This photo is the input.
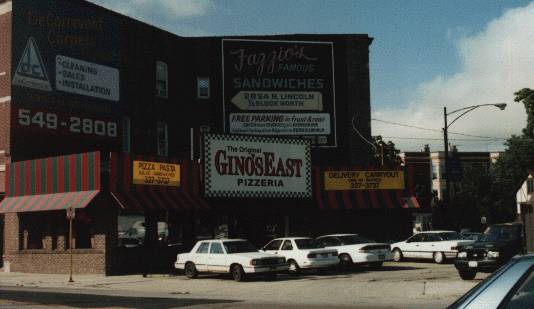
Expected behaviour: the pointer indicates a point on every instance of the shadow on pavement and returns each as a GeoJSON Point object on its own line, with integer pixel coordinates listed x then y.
{"type": "Point", "coordinates": [102, 301]}
{"type": "Point", "coordinates": [313, 274]}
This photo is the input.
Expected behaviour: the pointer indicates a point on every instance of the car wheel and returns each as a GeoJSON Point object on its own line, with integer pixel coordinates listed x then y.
{"type": "Point", "coordinates": [376, 265]}
{"type": "Point", "coordinates": [190, 270]}
{"type": "Point", "coordinates": [439, 257]}
{"type": "Point", "coordinates": [345, 261]}
{"type": "Point", "coordinates": [237, 272]}
{"type": "Point", "coordinates": [467, 275]}
{"type": "Point", "coordinates": [294, 268]}
{"type": "Point", "coordinates": [397, 255]}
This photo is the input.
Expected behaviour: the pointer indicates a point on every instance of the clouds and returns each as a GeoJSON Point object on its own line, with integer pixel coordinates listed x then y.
{"type": "Point", "coordinates": [168, 14]}
{"type": "Point", "coordinates": [495, 63]}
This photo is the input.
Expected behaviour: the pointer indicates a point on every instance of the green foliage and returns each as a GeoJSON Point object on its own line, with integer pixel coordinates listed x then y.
{"type": "Point", "coordinates": [386, 155]}
{"type": "Point", "coordinates": [526, 96]}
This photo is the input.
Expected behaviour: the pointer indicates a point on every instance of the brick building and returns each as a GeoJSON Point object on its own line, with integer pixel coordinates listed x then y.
{"type": "Point", "coordinates": [77, 79]}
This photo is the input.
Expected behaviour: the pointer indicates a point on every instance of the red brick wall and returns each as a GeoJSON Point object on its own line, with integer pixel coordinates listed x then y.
{"type": "Point", "coordinates": [57, 261]}
{"type": "Point", "coordinates": [5, 85]}
{"type": "Point", "coordinates": [5, 50]}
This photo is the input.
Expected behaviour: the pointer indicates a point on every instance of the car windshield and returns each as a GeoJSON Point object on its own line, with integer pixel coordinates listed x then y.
{"type": "Point", "coordinates": [308, 244]}
{"type": "Point", "coordinates": [239, 247]}
{"type": "Point", "coordinates": [500, 233]}
{"type": "Point", "coordinates": [353, 240]}
{"type": "Point", "coordinates": [450, 236]}
{"type": "Point", "coordinates": [471, 236]}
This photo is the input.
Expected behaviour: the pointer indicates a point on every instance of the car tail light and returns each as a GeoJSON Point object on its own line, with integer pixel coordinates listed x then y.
{"type": "Point", "coordinates": [312, 255]}
{"type": "Point", "coordinates": [454, 248]}
{"type": "Point", "coordinates": [334, 253]}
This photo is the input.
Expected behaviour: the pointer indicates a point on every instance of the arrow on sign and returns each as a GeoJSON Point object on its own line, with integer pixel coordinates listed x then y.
{"type": "Point", "coordinates": [278, 100]}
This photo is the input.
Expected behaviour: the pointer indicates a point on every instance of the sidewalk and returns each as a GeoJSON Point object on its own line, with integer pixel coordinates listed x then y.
{"type": "Point", "coordinates": [124, 282]}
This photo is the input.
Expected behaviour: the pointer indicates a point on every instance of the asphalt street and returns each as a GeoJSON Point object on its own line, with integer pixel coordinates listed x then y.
{"type": "Point", "coordinates": [397, 285]}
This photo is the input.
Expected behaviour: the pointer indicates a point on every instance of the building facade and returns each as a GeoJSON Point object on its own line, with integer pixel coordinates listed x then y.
{"type": "Point", "coordinates": [90, 94]}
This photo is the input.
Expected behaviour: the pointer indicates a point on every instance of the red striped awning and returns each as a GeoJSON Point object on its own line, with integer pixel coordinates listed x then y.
{"type": "Point", "coordinates": [52, 183]}
{"type": "Point", "coordinates": [42, 202]}
{"type": "Point", "coordinates": [139, 197]}
{"type": "Point", "coordinates": [411, 202]}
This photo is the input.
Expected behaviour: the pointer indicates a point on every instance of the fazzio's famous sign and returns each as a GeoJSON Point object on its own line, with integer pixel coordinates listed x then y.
{"type": "Point", "coordinates": [252, 166]}
{"type": "Point", "coordinates": [279, 88]}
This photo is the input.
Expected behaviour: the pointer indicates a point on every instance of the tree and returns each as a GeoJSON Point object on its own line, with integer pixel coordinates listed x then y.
{"type": "Point", "coordinates": [385, 155]}
{"type": "Point", "coordinates": [526, 96]}
{"type": "Point", "coordinates": [512, 167]}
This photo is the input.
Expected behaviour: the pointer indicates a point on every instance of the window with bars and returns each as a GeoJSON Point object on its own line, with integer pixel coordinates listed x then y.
{"type": "Point", "coordinates": [203, 87]}
{"type": "Point", "coordinates": [162, 139]}
{"type": "Point", "coordinates": [126, 134]}
{"type": "Point", "coordinates": [530, 185]}
{"type": "Point", "coordinates": [161, 79]}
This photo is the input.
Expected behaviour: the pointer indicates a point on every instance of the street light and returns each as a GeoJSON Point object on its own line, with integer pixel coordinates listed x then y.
{"type": "Point", "coordinates": [465, 110]}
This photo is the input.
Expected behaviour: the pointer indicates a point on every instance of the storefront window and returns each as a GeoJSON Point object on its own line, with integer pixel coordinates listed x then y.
{"type": "Point", "coordinates": [33, 231]}
{"type": "Point", "coordinates": [132, 231]}
{"type": "Point", "coordinates": [83, 230]}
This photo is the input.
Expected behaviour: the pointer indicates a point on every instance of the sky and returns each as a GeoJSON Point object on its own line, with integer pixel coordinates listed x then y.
{"type": "Point", "coordinates": [426, 55]}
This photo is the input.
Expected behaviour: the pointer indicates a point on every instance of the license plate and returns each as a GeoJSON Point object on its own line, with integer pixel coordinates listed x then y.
{"type": "Point", "coordinates": [324, 254]}
{"type": "Point", "coordinates": [472, 263]}
{"type": "Point", "coordinates": [381, 256]}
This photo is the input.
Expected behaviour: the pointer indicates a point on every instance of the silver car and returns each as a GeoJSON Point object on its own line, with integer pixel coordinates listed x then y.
{"type": "Point", "coordinates": [512, 286]}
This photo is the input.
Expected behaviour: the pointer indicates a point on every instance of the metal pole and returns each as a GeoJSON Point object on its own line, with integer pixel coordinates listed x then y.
{"type": "Point", "coordinates": [446, 198]}
{"type": "Point", "coordinates": [70, 248]}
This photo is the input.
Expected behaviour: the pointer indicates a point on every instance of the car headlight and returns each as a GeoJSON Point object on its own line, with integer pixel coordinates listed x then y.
{"type": "Point", "coordinates": [255, 262]}
{"type": "Point", "coordinates": [462, 255]}
{"type": "Point", "coordinates": [493, 254]}
{"type": "Point", "coordinates": [281, 260]}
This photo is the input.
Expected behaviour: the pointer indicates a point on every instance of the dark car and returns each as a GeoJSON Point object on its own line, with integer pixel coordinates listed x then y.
{"type": "Point", "coordinates": [498, 244]}
{"type": "Point", "coordinates": [512, 286]}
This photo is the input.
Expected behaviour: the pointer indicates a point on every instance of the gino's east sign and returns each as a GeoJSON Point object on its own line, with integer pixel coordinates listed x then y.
{"type": "Point", "coordinates": [279, 88]}
{"type": "Point", "coordinates": [249, 166]}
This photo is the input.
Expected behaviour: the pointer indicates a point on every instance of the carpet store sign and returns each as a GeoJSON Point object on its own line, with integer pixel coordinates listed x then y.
{"type": "Point", "coordinates": [247, 166]}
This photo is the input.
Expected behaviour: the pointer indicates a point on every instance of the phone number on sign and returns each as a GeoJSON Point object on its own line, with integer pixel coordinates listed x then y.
{"type": "Point", "coordinates": [157, 180]}
{"type": "Point", "coordinates": [73, 124]}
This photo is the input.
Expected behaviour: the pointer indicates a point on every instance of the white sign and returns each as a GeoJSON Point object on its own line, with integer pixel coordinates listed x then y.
{"type": "Point", "coordinates": [280, 123]}
{"type": "Point", "coordinates": [253, 166]}
{"type": "Point", "coordinates": [31, 71]}
{"type": "Point", "coordinates": [86, 78]}
{"type": "Point", "coordinates": [278, 100]}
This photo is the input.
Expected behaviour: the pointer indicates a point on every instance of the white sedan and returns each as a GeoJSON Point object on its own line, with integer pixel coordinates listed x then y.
{"type": "Point", "coordinates": [436, 245]}
{"type": "Point", "coordinates": [235, 256]}
{"type": "Point", "coordinates": [302, 252]}
{"type": "Point", "coordinates": [355, 249]}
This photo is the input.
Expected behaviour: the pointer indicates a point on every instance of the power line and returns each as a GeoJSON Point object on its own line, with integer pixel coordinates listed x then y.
{"type": "Point", "coordinates": [405, 125]}
{"type": "Point", "coordinates": [435, 130]}
{"type": "Point", "coordinates": [441, 139]}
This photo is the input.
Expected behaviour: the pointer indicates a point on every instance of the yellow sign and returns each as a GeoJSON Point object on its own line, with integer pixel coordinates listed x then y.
{"type": "Point", "coordinates": [156, 173]}
{"type": "Point", "coordinates": [363, 180]}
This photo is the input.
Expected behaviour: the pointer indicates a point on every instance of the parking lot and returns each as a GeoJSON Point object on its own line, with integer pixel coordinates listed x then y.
{"type": "Point", "coordinates": [396, 285]}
